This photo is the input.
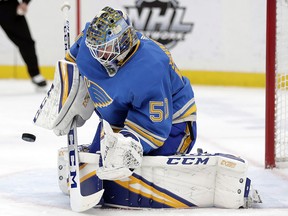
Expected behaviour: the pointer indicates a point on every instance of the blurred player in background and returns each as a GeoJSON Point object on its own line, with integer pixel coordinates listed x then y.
{"type": "Point", "coordinates": [135, 84]}
{"type": "Point", "coordinates": [13, 22]}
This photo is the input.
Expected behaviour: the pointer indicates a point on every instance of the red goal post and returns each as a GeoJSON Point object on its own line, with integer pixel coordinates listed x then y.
{"type": "Point", "coordinates": [276, 150]}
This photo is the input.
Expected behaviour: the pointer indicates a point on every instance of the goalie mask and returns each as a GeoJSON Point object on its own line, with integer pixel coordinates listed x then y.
{"type": "Point", "coordinates": [110, 37]}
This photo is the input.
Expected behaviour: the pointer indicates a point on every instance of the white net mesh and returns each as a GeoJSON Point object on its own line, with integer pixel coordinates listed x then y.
{"type": "Point", "coordinates": [281, 95]}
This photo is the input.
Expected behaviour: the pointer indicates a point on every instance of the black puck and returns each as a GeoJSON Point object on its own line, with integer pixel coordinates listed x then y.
{"type": "Point", "coordinates": [28, 137]}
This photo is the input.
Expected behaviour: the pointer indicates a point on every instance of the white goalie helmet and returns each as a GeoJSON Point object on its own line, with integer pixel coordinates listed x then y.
{"type": "Point", "coordinates": [110, 37]}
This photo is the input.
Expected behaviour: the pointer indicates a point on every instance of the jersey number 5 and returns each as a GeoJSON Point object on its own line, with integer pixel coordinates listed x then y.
{"type": "Point", "coordinates": [159, 110]}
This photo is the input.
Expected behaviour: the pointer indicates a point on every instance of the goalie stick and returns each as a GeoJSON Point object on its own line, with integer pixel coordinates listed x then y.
{"type": "Point", "coordinates": [78, 202]}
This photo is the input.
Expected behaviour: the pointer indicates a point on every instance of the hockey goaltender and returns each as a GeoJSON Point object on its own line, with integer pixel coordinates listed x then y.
{"type": "Point", "coordinates": [140, 156]}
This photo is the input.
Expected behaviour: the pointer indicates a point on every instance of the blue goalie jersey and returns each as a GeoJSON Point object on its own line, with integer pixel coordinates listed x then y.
{"type": "Point", "coordinates": [148, 96]}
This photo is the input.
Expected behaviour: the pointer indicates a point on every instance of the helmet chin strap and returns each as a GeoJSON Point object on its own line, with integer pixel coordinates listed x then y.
{"type": "Point", "coordinates": [111, 69]}
{"type": "Point", "coordinates": [122, 56]}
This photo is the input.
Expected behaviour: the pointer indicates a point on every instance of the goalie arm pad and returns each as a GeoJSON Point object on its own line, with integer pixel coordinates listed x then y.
{"type": "Point", "coordinates": [67, 99]}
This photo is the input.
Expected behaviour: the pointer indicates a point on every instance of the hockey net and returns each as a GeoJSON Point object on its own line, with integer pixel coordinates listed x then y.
{"type": "Point", "coordinates": [276, 154]}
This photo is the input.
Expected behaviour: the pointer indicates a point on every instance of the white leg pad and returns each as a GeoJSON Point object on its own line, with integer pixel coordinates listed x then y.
{"type": "Point", "coordinates": [202, 180]}
{"type": "Point", "coordinates": [207, 180]}
{"type": "Point", "coordinates": [230, 183]}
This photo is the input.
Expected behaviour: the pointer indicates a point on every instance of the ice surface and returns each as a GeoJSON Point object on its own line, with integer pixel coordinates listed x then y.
{"type": "Point", "coordinates": [230, 120]}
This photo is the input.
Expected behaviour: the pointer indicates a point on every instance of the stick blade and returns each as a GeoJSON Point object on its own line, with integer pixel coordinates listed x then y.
{"type": "Point", "coordinates": [81, 203]}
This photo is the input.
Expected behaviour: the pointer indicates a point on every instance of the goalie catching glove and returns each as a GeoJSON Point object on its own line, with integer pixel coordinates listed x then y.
{"type": "Point", "coordinates": [119, 154]}
{"type": "Point", "coordinates": [66, 100]}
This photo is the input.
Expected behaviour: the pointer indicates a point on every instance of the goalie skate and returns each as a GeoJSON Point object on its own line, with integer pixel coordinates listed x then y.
{"type": "Point", "coordinates": [252, 198]}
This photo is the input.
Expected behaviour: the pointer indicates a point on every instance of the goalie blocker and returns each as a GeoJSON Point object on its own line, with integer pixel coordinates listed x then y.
{"type": "Point", "coordinates": [194, 180]}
